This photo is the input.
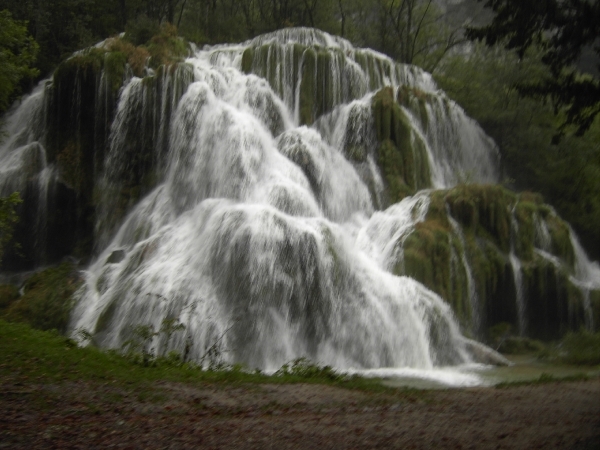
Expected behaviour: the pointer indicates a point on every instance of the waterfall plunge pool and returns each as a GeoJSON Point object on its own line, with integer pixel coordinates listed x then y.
{"type": "Point", "coordinates": [525, 368]}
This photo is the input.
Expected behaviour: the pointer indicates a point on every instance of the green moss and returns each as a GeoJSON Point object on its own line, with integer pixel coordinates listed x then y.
{"type": "Point", "coordinates": [484, 210]}
{"type": "Point", "coordinates": [561, 240]}
{"type": "Point", "coordinates": [247, 60]}
{"type": "Point", "coordinates": [514, 345]}
{"type": "Point", "coordinates": [415, 99]}
{"type": "Point", "coordinates": [324, 81]}
{"type": "Point", "coordinates": [525, 238]}
{"type": "Point", "coordinates": [166, 47]}
{"type": "Point", "coordinates": [70, 164]}
{"type": "Point", "coordinates": [582, 348]}
{"type": "Point", "coordinates": [307, 87]}
{"type": "Point", "coordinates": [402, 154]}
{"type": "Point", "coordinates": [114, 68]}
{"type": "Point", "coordinates": [427, 257]}
{"type": "Point", "coordinates": [433, 254]}
{"type": "Point", "coordinates": [356, 153]}
{"type": "Point", "coordinates": [90, 59]}
{"type": "Point", "coordinates": [595, 304]}
{"type": "Point", "coordinates": [8, 295]}
{"type": "Point", "coordinates": [392, 166]}
{"type": "Point", "coordinates": [47, 299]}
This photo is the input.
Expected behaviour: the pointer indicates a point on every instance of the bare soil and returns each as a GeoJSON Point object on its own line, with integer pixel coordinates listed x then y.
{"type": "Point", "coordinates": [86, 415]}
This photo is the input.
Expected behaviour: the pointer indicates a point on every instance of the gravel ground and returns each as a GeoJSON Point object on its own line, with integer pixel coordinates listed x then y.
{"type": "Point", "coordinates": [85, 415]}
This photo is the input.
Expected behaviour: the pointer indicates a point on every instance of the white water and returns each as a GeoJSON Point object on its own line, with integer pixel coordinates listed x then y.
{"type": "Point", "coordinates": [471, 288]}
{"type": "Point", "coordinates": [515, 264]}
{"type": "Point", "coordinates": [262, 231]}
{"type": "Point", "coordinates": [587, 277]}
{"type": "Point", "coordinates": [264, 228]}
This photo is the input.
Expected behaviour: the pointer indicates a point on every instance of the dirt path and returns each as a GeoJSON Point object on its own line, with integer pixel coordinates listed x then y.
{"type": "Point", "coordinates": [182, 416]}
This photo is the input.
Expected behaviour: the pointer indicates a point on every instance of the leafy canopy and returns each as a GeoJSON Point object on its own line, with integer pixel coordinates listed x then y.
{"type": "Point", "coordinates": [561, 29]}
{"type": "Point", "coordinates": [18, 52]}
{"type": "Point", "coordinates": [8, 219]}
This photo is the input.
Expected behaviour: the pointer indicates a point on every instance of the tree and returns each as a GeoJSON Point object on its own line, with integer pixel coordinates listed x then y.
{"type": "Point", "coordinates": [8, 219]}
{"type": "Point", "coordinates": [567, 174]}
{"type": "Point", "coordinates": [410, 31]}
{"type": "Point", "coordinates": [562, 29]}
{"type": "Point", "coordinates": [18, 51]}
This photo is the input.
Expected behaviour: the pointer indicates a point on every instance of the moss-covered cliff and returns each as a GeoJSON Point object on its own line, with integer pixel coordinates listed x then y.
{"type": "Point", "coordinates": [463, 251]}
{"type": "Point", "coordinates": [80, 106]}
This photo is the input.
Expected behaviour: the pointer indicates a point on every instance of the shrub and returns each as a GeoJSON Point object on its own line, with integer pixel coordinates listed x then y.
{"type": "Point", "coordinates": [48, 299]}
{"type": "Point", "coordinates": [582, 347]}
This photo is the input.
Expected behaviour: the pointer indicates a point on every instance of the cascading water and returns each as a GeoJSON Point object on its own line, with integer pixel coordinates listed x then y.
{"type": "Point", "coordinates": [239, 193]}
{"type": "Point", "coordinates": [517, 274]}
{"type": "Point", "coordinates": [587, 277]}
{"type": "Point", "coordinates": [471, 288]}
{"type": "Point", "coordinates": [265, 227]}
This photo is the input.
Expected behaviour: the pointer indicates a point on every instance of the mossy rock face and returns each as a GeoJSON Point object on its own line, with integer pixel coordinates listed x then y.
{"type": "Point", "coordinates": [402, 154]}
{"type": "Point", "coordinates": [428, 258]}
{"type": "Point", "coordinates": [562, 245]}
{"type": "Point", "coordinates": [247, 58]}
{"type": "Point", "coordinates": [484, 210]}
{"type": "Point", "coordinates": [416, 100]}
{"type": "Point", "coordinates": [548, 301]}
{"type": "Point", "coordinates": [308, 109]}
{"type": "Point", "coordinates": [114, 66]}
{"type": "Point", "coordinates": [48, 299]}
{"type": "Point", "coordinates": [441, 257]}
{"type": "Point", "coordinates": [594, 296]}
{"type": "Point", "coordinates": [517, 346]}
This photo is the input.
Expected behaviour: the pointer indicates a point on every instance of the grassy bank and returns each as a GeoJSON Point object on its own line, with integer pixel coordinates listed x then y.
{"type": "Point", "coordinates": [48, 357]}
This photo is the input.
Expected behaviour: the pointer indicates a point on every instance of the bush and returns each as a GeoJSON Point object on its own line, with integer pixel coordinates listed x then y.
{"type": "Point", "coordinates": [48, 299]}
{"type": "Point", "coordinates": [8, 295]}
{"type": "Point", "coordinates": [582, 347]}
{"type": "Point", "coordinates": [141, 30]}
{"type": "Point", "coordinates": [304, 368]}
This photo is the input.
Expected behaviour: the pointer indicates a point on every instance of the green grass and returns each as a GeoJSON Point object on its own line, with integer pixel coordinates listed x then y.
{"type": "Point", "coordinates": [582, 348]}
{"type": "Point", "coordinates": [46, 356]}
{"type": "Point", "coordinates": [544, 378]}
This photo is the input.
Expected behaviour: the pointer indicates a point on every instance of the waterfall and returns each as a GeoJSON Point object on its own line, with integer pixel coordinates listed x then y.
{"type": "Point", "coordinates": [471, 288]}
{"type": "Point", "coordinates": [264, 229]}
{"type": "Point", "coordinates": [517, 274]}
{"type": "Point", "coordinates": [240, 193]}
{"type": "Point", "coordinates": [586, 278]}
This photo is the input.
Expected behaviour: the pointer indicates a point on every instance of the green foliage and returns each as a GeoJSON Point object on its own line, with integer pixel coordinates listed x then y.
{"type": "Point", "coordinates": [305, 369]}
{"type": "Point", "coordinates": [483, 209]}
{"type": "Point", "coordinates": [47, 299]}
{"type": "Point", "coordinates": [513, 345]}
{"type": "Point", "coordinates": [8, 295]}
{"type": "Point", "coordinates": [581, 347]}
{"type": "Point", "coordinates": [561, 29]}
{"type": "Point", "coordinates": [166, 47]}
{"type": "Point", "coordinates": [29, 353]}
{"type": "Point", "coordinates": [18, 52]}
{"type": "Point", "coordinates": [8, 219]}
{"type": "Point", "coordinates": [138, 348]}
{"type": "Point", "coordinates": [412, 32]}
{"type": "Point", "coordinates": [499, 333]}
{"type": "Point", "coordinates": [544, 378]}
{"type": "Point", "coordinates": [435, 254]}
{"type": "Point", "coordinates": [140, 30]}
{"type": "Point", "coordinates": [566, 174]}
